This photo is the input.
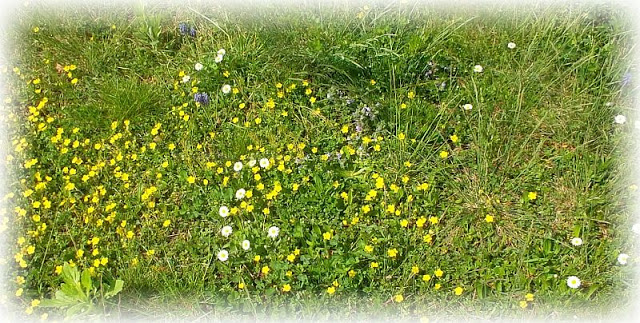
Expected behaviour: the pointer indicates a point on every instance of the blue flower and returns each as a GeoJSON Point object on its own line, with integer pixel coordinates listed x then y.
{"type": "Point", "coordinates": [192, 32]}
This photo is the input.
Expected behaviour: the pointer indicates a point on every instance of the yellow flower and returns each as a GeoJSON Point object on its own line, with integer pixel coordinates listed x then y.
{"type": "Point", "coordinates": [256, 258]}
{"type": "Point", "coordinates": [404, 223]}
{"type": "Point", "coordinates": [326, 235]}
{"type": "Point", "coordinates": [523, 304]}
{"type": "Point", "coordinates": [444, 154]}
{"type": "Point", "coordinates": [398, 298]}
{"type": "Point", "coordinates": [392, 252]}
{"type": "Point", "coordinates": [374, 265]}
{"type": "Point", "coordinates": [241, 285]}
{"type": "Point", "coordinates": [270, 104]}
{"type": "Point", "coordinates": [532, 196]}
{"type": "Point", "coordinates": [352, 273]}
{"type": "Point", "coordinates": [368, 248]}
{"type": "Point", "coordinates": [454, 138]}
{"type": "Point", "coordinates": [373, 82]}
{"type": "Point", "coordinates": [426, 277]}
{"type": "Point", "coordinates": [286, 287]}
{"type": "Point", "coordinates": [151, 252]}
{"type": "Point", "coordinates": [401, 136]}
{"type": "Point", "coordinates": [529, 297]}
{"type": "Point", "coordinates": [291, 257]}
{"type": "Point", "coordinates": [345, 129]}
{"type": "Point", "coordinates": [191, 179]}
{"type": "Point", "coordinates": [411, 95]}
{"type": "Point", "coordinates": [437, 286]}
{"type": "Point", "coordinates": [415, 270]}
{"type": "Point", "coordinates": [458, 291]}
{"type": "Point", "coordinates": [19, 292]}
{"type": "Point", "coordinates": [331, 290]}
{"type": "Point", "coordinates": [438, 273]}
{"type": "Point", "coordinates": [166, 223]}
{"type": "Point", "coordinates": [433, 220]}
{"type": "Point", "coordinates": [265, 270]}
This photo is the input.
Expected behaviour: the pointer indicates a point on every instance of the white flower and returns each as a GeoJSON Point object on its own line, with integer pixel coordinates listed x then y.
{"type": "Point", "coordinates": [240, 194]}
{"type": "Point", "coordinates": [252, 163]}
{"type": "Point", "coordinates": [226, 231]}
{"type": "Point", "coordinates": [478, 69]}
{"type": "Point", "coordinates": [573, 282]}
{"type": "Point", "coordinates": [620, 119]}
{"type": "Point", "coordinates": [576, 241]}
{"type": "Point", "coordinates": [622, 258]}
{"type": "Point", "coordinates": [218, 59]}
{"type": "Point", "coordinates": [246, 244]}
{"type": "Point", "coordinates": [223, 255]}
{"type": "Point", "coordinates": [226, 88]}
{"type": "Point", "coordinates": [198, 67]}
{"type": "Point", "coordinates": [511, 45]}
{"type": "Point", "coordinates": [186, 79]}
{"type": "Point", "coordinates": [237, 166]}
{"type": "Point", "coordinates": [222, 52]}
{"type": "Point", "coordinates": [636, 228]}
{"type": "Point", "coordinates": [224, 211]}
{"type": "Point", "coordinates": [273, 232]}
{"type": "Point", "coordinates": [264, 163]}
{"type": "Point", "coordinates": [467, 106]}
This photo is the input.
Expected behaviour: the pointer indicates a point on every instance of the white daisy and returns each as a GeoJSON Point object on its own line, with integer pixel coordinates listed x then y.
{"type": "Point", "coordinates": [186, 79]}
{"type": "Point", "coordinates": [622, 258]}
{"type": "Point", "coordinates": [222, 52]}
{"type": "Point", "coordinates": [224, 211]}
{"type": "Point", "coordinates": [620, 119]}
{"type": "Point", "coordinates": [237, 166]}
{"type": "Point", "coordinates": [467, 106]}
{"type": "Point", "coordinates": [576, 241]}
{"type": "Point", "coordinates": [226, 88]}
{"type": "Point", "coordinates": [223, 255]}
{"type": "Point", "coordinates": [478, 69]}
{"type": "Point", "coordinates": [218, 59]}
{"type": "Point", "coordinates": [273, 232]}
{"type": "Point", "coordinates": [252, 163]}
{"type": "Point", "coordinates": [573, 282]}
{"type": "Point", "coordinates": [199, 67]}
{"type": "Point", "coordinates": [511, 45]}
{"type": "Point", "coordinates": [264, 162]}
{"type": "Point", "coordinates": [226, 231]}
{"type": "Point", "coordinates": [246, 244]}
{"type": "Point", "coordinates": [240, 194]}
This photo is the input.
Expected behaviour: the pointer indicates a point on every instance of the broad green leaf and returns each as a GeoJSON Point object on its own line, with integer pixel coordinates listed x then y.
{"type": "Point", "coordinates": [86, 281]}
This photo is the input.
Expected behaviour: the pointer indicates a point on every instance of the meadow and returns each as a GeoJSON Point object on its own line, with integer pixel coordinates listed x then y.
{"type": "Point", "coordinates": [317, 160]}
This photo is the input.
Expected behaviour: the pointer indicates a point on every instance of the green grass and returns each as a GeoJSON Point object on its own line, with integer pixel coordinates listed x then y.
{"type": "Point", "coordinates": [540, 123]}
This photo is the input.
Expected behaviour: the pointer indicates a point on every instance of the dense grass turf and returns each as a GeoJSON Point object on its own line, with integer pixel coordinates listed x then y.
{"type": "Point", "coordinates": [404, 179]}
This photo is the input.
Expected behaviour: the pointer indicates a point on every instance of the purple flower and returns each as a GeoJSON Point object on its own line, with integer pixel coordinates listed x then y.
{"type": "Point", "coordinates": [626, 79]}
{"type": "Point", "coordinates": [358, 128]}
{"type": "Point", "coordinates": [192, 32]}
{"type": "Point", "coordinates": [201, 97]}
{"type": "Point", "coordinates": [184, 28]}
